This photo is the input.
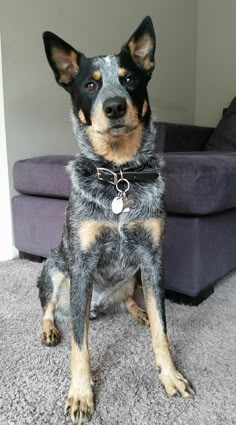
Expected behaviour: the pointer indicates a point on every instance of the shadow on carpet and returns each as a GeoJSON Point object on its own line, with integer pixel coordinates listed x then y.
{"type": "Point", "coordinates": [34, 380]}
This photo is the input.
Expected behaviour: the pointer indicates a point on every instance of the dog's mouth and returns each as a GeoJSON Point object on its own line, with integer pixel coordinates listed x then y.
{"type": "Point", "coordinates": [118, 130]}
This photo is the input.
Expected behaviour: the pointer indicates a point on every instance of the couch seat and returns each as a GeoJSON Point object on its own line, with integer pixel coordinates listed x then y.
{"type": "Point", "coordinates": [196, 183]}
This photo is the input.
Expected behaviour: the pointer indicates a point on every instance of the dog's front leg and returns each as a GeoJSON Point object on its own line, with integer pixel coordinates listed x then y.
{"type": "Point", "coordinates": [153, 285]}
{"type": "Point", "coordinates": [80, 403]}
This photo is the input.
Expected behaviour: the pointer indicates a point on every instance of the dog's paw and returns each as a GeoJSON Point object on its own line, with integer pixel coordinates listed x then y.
{"type": "Point", "coordinates": [79, 407]}
{"type": "Point", "coordinates": [142, 317]}
{"type": "Point", "coordinates": [176, 384]}
{"type": "Point", "coordinates": [50, 336]}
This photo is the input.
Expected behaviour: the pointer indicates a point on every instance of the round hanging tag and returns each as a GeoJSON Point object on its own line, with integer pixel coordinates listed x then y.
{"type": "Point", "coordinates": [117, 205]}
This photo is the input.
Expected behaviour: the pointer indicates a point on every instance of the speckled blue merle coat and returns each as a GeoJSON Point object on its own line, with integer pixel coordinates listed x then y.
{"type": "Point", "coordinates": [100, 253]}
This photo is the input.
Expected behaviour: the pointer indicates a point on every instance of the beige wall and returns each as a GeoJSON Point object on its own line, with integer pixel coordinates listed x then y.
{"type": "Point", "coordinates": [37, 110]}
{"type": "Point", "coordinates": [216, 59]}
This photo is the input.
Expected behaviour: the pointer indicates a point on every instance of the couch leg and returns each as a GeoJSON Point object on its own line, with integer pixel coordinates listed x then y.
{"type": "Point", "coordinates": [31, 257]}
{"type": "Point", "coordinates": [187, 299]}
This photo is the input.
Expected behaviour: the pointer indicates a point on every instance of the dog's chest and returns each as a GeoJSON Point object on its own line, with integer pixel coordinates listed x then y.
{"type": "Point", "coordinates": [118, 259]}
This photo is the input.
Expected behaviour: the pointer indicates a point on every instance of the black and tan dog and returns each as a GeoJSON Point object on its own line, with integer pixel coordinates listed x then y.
{"type": "Point", "coordinates": [115, 216]}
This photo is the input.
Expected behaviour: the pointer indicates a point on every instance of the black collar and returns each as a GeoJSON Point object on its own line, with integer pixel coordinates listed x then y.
{"type": "Point", "coordinates": [139, 174]}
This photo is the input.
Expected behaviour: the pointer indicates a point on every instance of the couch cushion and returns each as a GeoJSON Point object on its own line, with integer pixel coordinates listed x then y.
{"type": "Point", "coordinates": [183, 137]}
{"type": "Point", "coordinates": [223, 137]}
{"type": "Point", "coordinates": [200, 183]}
{"type": "Point", "coordinates": [43, 176]}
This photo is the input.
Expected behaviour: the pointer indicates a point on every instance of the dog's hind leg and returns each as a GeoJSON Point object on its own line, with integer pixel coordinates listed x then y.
{"type": "Point", "coordinates": [137, 312]}
{"type": "Point", "coordinates": [50, 333]}
{"type": "Point", "coordinates": [49, 285]}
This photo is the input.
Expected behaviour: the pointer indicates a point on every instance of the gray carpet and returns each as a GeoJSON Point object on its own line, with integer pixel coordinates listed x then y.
{"type": "Point", "coordinates": [34, 379]}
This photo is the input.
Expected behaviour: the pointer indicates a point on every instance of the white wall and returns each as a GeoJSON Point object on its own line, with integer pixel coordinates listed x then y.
{"type": "Point", "coordinates": [6, 245]}
{"type": "Point", "coordinates": [37, 110]}
{"type": "Point", "coordinates": [216, 59]}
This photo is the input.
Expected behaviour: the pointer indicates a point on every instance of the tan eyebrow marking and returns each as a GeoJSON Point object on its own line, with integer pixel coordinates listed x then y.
{"type": "Point", "coordinates": [122, 72]}
{"type": "Point", "coordinates": [97, 75]}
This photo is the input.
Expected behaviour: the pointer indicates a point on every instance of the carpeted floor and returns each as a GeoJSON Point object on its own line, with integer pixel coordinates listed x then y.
{"type": "Point", "coordinates": [34, 379]}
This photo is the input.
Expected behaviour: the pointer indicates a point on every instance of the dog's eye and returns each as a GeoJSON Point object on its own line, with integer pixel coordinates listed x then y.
{"type": "Point", "coordinates": [91, 86]}
{"type": "Point", "coordinates": [130, 81]}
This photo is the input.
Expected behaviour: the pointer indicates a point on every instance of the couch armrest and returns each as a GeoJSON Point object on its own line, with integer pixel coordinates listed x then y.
{"type": "Point", "coordinates": [199, 183]}
{"type": "Point", "coordinates": [183, 137]}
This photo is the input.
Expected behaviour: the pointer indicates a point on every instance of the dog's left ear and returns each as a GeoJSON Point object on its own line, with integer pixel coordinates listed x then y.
{"type": "Point", "coordinates": [141, 45]}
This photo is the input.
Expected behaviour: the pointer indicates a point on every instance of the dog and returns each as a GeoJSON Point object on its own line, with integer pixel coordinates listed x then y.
{"type": "Point", "coordinates": [115, 218]}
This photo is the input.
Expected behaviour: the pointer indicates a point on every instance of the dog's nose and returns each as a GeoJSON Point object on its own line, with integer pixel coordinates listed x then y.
{"type": "Point", "coordinates": [115, 107]}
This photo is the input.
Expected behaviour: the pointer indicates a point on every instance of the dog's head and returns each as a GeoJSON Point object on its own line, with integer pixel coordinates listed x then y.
{"type": "Point", "coordinates": [109, 93]}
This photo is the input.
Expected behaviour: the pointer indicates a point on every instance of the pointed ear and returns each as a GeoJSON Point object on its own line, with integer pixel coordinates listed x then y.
{"type": "Point", "coordinates": [63, 58]}
{"type": "Point", "coordinates": [141, 45]}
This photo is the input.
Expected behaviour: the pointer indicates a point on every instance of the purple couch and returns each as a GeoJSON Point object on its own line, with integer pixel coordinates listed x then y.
{"type": "Point", "coordinates": [200, 241]}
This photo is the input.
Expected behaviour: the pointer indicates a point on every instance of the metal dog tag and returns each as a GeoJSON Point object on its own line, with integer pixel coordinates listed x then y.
{"type": "Point", "coordinates": [128, 202]}
{"type": "Point", "coordinates": [117, 204]}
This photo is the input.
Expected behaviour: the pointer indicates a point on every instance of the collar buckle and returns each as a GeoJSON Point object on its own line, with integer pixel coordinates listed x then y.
{"type": "Point", "coordinates": [100, 170]}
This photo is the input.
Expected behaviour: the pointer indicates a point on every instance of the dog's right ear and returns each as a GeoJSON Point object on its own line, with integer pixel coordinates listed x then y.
{"type": "Point", "coordinates": [141, 46]}
{"type": "Point", "coordinates": [63, 58]}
